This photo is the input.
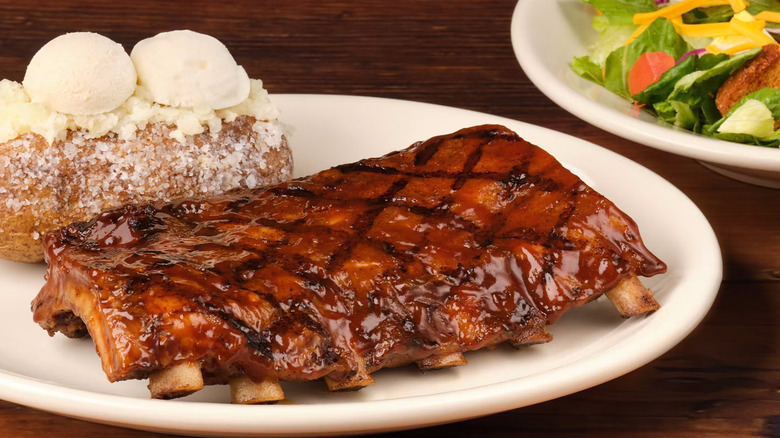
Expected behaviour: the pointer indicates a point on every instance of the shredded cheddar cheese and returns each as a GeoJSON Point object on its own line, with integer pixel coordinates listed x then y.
{"type": "Point", "coordinates": [772, 17]}
{"type": "Point", "coordinates": [705, 30]}
{"type": "Point", "coordinates": [747, 45]}
{"type": "Point", "coordinates": [745, 29]}
{"type": "Point", "coordinates": [742, 32]}
{"type": "Point", "coordinates": [738, 5]}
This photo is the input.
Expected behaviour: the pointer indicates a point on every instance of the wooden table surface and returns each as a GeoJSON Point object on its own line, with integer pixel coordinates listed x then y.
{"type": "Point", "coordinates": [723, 380]}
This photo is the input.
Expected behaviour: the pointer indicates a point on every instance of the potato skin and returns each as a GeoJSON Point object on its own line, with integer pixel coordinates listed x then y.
{"type": "Point", "coordinates": [22, 227]}
{"type": "Point", "coordinates": [44, 187]}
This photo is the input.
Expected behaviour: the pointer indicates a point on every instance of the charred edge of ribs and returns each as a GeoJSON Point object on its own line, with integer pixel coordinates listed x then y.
{"type": "Point", "coordinates": [536, 334]}
{"type": "Point", "coordinates": [457, 243]}
{"type": "Point", "coordinates": [354, 383]}
{"type": "Point", "coordinates": [68, 324]}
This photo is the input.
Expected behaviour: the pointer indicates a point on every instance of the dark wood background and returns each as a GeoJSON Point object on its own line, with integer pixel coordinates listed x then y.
{"type": "Point", "coordinates": [723, 380]}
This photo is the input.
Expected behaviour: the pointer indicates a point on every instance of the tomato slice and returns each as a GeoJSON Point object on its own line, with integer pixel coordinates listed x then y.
{"type": "Point", "coordinates": [647, 70]}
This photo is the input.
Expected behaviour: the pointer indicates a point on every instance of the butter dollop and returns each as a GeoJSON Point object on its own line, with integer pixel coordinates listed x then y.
{"type": "Point", "coordinates": [80, 73]}
{"type": "Point", "coordinates": [183, 68]}
{"type": "Point", "coordinates": [85, 82]}
{"type": "Point", "coordinates": [19, 115]}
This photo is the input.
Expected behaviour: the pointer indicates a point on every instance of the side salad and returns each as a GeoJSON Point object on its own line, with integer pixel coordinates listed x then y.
{"type": "Point", "coordinates": [671, 58]}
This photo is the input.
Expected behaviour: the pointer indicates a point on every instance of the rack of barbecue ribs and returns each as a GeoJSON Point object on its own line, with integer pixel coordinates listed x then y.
{"type": "Point", "coordinates": [460, 242]}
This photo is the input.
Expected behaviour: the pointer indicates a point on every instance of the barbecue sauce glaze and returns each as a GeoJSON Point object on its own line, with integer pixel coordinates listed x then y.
{"type": "Point", "coordinates": [459, 242]}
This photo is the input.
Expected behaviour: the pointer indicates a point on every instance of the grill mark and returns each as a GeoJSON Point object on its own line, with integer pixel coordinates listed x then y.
{"type": "Point", "coordinates": [534, 237]}
{"type": "Point", "coordinates": [468, 166]}
{"type": "Point", "coordinates": [254, 338]}
{"type": "Point", "coordinates": [293, 226]}
{"type": "Point", "coordinates": [516, 178]}
{"type": "Point", "coordinates": [394, 188]}
{"type": "Point", "coordinates": [390, 249]}
{"type": "Point", "coordinates": [135, 282]}
{"type": "Point", "coordinates": [364, 223]}
{"type": "Point", "coordinates": [269, 298]}
{"type": "Point", "coordinates": [520, 176]}
{"type": "Point", "coordinates": [427, 152]}
{"type": "Point", "coordinates": [238, 203]}
{"type": "Point", "coordinates": [432, 212]}
{"type": "Point", "coordinates": [292, 190]}
{"type": "Point", "coordinates": [362, 166]}
{"type": "Point", "coordinates": [556, 235]}
{"type": "Point", "coordinates": [430, 147]}
{"type": "Point", "coordinates": [471, 161]}
{"type": "Point", "coordinates": [444, 174]}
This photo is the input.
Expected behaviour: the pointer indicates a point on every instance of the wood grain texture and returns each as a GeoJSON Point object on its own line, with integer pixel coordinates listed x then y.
{"type": "Point", "coordinates": [723, 380]}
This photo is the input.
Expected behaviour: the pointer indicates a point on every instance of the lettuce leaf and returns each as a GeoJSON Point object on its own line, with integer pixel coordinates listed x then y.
{"type": "Point", "coordinates": [609, 40]}
{"type": "Point", "coordinates": [723, 13]}
{"type": "Point", "coordinates": [709, 60]}
{"type": "Point", "coordinates": [713, 14]}
{"type": "Point", "coordinates": [679, 114]}
{"type": "Point", "coordinates": [588, 69]}
{"type": "Point", "coordinates": [691, 102]}
{"type": "Point", "coordinates": [659, 37]}
{"type": "Point", "coordinates": [661, 89]}
{"type": "Point", "coordinates": [622, 11]}
{"type": "Point", "coordinates": [710, 110]}
{"type": "Point", "coordinates": [768, 96]}
{"type": "Point", "coordinates": [693, 87]}
{"type": "Point", "coordinates": [757, 6]}
{"type": "Point", "coordinates": [665, 111]}
{"type": "Point", "coordinates": [686, 117]}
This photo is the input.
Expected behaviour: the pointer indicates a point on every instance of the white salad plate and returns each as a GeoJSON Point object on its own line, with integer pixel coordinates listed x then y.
{"type": "Point", "coordinates": [547, 34]}
{"type": "Point", "coordinates": [592, 344]}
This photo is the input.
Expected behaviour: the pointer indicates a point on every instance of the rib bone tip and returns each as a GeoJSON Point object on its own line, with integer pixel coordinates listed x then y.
{"type": "Point", "coordinates": [176, 381]}
{"type": "Point", "coordinates": [245, 391]}
{"type": "Point", "coordinates": [437, 362]}
{"type": "Point", "coordinates": [632, 298]}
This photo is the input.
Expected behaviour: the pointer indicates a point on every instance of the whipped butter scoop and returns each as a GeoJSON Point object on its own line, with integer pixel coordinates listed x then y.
{"type": "Point", "coordinates": [183, 68]}
{"type": "Point", "coordinates": [86, 82]}
{"type": "Point", "coordinates": [80, 73]}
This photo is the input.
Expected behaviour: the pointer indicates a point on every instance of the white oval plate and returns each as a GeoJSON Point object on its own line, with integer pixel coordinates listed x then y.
{"type": "Point", "coordinates": [592, 344]}
{"type": "Point", "coordinates": [547, 34]}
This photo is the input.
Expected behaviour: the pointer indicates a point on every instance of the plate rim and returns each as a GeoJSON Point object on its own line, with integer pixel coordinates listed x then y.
{"type": "Point", "coordinates": [415, 411]}
{"type": "Point", "coordinates": [686, 144]}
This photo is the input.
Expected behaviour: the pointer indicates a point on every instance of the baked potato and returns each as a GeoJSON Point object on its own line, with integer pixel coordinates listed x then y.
{"type": "Point", "coordinates": [46, 186]}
